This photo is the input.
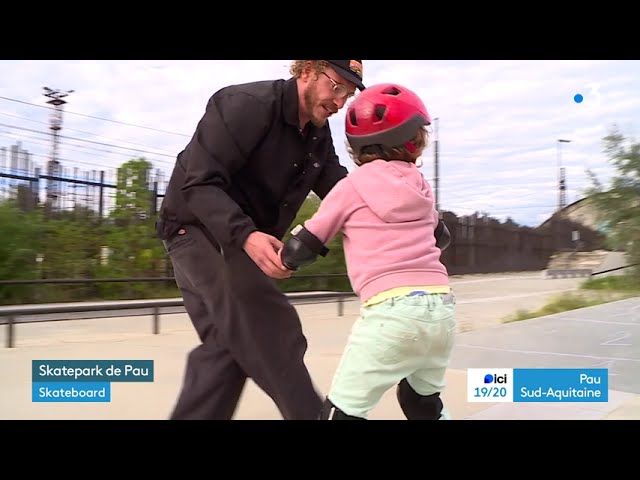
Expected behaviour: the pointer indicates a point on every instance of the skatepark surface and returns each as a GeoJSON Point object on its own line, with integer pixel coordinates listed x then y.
{"type": "Point", "coordinates": [602, 336]}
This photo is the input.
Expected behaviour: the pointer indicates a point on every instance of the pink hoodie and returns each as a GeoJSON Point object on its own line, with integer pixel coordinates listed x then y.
{"type": "Point", "coordinates": [387, 215]}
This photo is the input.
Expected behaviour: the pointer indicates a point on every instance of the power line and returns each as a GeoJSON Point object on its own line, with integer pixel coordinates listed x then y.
{"type": "Point", "coordinates": [76, 130]}
{"type": "Point", "coordinates": [97, 118]}
{"type": "Point", "coordinates": [88, 141]}
{"type": "Point", "coordinates": [89, 151]}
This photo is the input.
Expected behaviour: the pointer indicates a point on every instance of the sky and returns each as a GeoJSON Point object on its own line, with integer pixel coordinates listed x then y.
{"type": "Point", "coordinates": [498, 122]}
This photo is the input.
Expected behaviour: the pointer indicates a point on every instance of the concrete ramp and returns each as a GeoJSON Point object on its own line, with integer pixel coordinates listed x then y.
{"type": "Point", "coordinates": [567, 272]}
{"type": "Point", "coordinates": [613, 264]}
{"type": "Point", "coordinates": [576, 264]}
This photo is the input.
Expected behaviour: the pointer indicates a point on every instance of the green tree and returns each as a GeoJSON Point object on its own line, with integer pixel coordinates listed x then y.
{"type": "Point", "coordinates": [133, 193]}
{"type": "Point", "coordinates": [130, 246]}
{"type": "Point", "coordinates": [21, 245]}
{"type": "Point", "coordinates": [619, 205]}
{"type": "Point", "coordinates": [41, 244]}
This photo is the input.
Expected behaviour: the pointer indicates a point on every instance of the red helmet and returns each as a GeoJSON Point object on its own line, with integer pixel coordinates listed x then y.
{"type": "Point", "coordinates": [386, 114]}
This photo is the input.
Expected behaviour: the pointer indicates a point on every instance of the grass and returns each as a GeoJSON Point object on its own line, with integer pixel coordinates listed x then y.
{"type": "Point", "coordinates": [594, 291]}
{"type": "Point", "coordinates": [620, 283]}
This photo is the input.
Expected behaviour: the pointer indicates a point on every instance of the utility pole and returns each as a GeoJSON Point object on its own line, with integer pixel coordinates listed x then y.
{"type": "Point", "coordinates": [53, 166]}
{"type": "Point", "coordinates": [436, 166]}
{"type": "Point", "coordinates": [562, 186]}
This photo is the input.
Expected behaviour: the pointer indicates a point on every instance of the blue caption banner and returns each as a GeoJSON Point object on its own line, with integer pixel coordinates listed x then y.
{"type": "Point", "coordinates": [71, 392]}
{"type": "Point", "coordinates": [92, 371]}
{"type": "Point", "coordinates": [560, 385]}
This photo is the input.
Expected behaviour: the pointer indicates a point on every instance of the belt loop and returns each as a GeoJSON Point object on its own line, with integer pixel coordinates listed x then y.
{"type": "Point", "coordinates": [432, 302]}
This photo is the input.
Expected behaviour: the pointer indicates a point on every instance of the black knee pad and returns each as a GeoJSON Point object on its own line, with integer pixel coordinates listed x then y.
{"type": "Point", "coordinates": [331, 412]}
{"type": "Point", "coordinates": [418, 407]}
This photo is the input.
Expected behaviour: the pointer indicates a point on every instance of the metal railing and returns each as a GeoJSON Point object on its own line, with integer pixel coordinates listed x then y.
{"type": "Point", "coordinates": [14, 314]}
{"type": "Point", "coordinates": [57, 281]}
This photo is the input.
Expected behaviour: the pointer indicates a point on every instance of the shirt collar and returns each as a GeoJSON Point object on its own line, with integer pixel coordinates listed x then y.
{"type": "Point", "coordinates": [290, 102]}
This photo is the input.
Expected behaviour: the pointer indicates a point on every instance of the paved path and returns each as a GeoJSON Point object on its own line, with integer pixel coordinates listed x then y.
{"type": "Point", "coordinates": [581, 338]}
{"type": "Point", "coordinates": [602, 336]}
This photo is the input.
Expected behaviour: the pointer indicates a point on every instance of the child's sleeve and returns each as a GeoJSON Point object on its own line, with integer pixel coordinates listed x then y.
{"type": "Point", "coordinates": [333, 212]}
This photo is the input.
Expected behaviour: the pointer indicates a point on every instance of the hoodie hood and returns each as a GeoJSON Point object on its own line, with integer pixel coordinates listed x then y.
{"type": "Point", "coordinates": [395, 191]}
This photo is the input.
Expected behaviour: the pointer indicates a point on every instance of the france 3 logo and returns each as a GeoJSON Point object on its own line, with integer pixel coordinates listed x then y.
{"type": "Point", "coordinates": [490, 385]}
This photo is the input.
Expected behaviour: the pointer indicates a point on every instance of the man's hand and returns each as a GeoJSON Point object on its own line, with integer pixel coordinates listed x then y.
{"type": "Point", "coordinates": [263, 250]}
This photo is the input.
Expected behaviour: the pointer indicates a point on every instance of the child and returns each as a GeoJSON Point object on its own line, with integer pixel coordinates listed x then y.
{"type": "Point", "coordinates": [393, 239]}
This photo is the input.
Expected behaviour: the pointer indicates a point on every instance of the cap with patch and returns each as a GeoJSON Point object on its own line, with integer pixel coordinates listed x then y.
{"type": "Point", "coordinates": [350, 70]}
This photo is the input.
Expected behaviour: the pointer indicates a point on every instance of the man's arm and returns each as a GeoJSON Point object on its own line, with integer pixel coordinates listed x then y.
{"type": "Point", "coordinates": [331, 174]}
{"type": "Point", "coordinates": [233, 124]}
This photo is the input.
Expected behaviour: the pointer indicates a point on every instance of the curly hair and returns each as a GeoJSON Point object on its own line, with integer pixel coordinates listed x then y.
{"type": "Point", "coordinates": [380, 152]}
{"type": "Point", "coordinates": [298, 66]}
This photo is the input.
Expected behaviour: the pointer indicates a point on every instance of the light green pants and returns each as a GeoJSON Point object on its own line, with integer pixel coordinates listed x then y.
{"type": "Point", "coordinates": [404, 337]}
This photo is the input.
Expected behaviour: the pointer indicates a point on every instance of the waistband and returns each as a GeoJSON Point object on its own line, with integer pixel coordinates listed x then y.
{"type": "Point", "coordinates": [408, 291]}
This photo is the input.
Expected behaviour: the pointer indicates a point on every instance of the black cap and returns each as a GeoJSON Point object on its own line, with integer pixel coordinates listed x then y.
{"type": "Point", "coordinates": [350, 70]}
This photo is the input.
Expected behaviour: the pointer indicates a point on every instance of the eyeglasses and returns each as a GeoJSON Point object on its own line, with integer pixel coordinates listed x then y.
{"type": "Point", "coordinates": [339, 90]}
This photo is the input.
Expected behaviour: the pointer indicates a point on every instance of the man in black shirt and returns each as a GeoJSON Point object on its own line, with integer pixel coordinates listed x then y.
{"type": "Point", "coordinates": [258, 151]}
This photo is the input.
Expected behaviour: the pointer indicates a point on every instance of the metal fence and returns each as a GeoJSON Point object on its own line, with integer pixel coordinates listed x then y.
{"type": "Point", "coordinates": [15, 314]}
{"type": "Point", "coordinates": [74, 188]}
{"type": "Point", "coordinates": [480, 244]}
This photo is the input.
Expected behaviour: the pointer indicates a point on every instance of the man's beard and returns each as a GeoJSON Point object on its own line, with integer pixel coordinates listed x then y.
{"type": "Point", "coordinates": [310, 100]}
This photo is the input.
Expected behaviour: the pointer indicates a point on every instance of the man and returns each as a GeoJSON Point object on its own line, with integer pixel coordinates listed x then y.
{"type": "Point", "coordinates": [257, 152]}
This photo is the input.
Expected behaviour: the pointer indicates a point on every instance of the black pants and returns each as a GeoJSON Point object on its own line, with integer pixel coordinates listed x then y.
{"type": "Point", "coordinates": [248, 329]}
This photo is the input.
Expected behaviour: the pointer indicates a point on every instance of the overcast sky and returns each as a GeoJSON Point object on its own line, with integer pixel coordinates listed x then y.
{"type": "Point", "coordinates": [499, 121]}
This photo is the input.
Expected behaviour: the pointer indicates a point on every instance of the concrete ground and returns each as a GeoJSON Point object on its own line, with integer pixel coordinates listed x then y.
{"type": "Point", "coordinates": [483, 300]}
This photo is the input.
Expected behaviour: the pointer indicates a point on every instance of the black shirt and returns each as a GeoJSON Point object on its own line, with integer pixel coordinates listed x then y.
{"type": "Point", "coordinates": [248, 165]}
